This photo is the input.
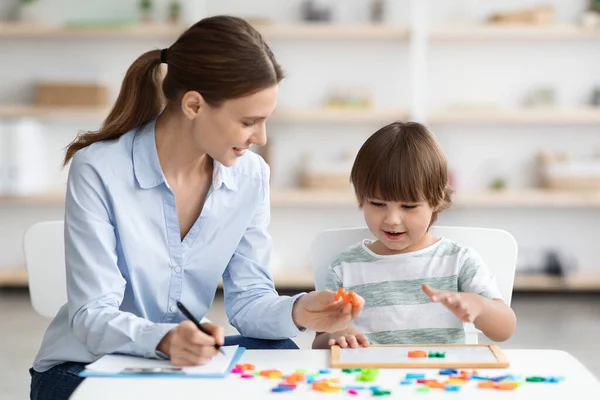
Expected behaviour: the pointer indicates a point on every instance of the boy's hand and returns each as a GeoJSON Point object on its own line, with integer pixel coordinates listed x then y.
{"type": "Point", "coordinates": [348, 337]}
{"type": "Point", "coordinates": [466, 306]}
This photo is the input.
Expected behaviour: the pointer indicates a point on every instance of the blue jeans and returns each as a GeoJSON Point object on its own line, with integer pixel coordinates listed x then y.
{"type": "Point", "coordinates": [60, 381]}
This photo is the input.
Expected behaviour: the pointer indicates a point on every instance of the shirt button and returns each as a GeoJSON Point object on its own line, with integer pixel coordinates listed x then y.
{"type": "Point", "coordinates": [177, 269]}
{"type": "Point", "coordinates": [173, 308]}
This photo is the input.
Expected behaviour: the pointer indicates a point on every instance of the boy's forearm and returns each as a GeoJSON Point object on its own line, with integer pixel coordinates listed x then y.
{"type": "Point", "coordinates": [321, 341]}
{"type": "Point", "coordinates": [497, 320]}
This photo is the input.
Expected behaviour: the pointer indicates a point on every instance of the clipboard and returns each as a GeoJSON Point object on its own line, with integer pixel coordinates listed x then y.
{"type": "Point", "coordinates": [164, 370]}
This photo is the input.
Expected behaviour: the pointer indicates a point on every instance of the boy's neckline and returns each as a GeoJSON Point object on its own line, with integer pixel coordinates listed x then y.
{"type": "Point", "coordinates": [365, 242]}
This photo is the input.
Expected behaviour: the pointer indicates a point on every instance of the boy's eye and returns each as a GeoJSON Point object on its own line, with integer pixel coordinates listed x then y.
{"type": "Point", "coordinates": [409, 206]}
{"type": "Point", "coordinates": [376, 203]}
{"type": "Point", "coordinates": [248, 124]}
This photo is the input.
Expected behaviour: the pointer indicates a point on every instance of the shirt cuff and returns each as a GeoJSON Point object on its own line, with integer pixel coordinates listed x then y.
{"type": "Point", "coordinates": [152, 338]}
{"type": "Point", "coordinates": [296, 327]}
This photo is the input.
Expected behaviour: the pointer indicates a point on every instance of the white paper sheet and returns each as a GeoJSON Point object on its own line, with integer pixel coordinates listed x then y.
{"type": "Point", "coordinates": [114, 364]}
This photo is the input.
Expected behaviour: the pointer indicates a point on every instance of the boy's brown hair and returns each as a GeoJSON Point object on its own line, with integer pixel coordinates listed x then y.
{"type": "Point", "coordinates": [402, 162]}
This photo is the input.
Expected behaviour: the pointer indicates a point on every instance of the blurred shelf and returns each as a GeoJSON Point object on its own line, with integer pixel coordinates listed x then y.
{"type": "Point", "coordinates": [170, 31]}
{"type": "Point", "coordinates": [35, 200]}
{"type": "Point", "coordinates": [291, 280]}
{"type": "Point", "coordinates": [339, 116]}
{"type": "Point", "coordinates": [523, 282]}
{"type": "Point", "coordinates": [513, 31]}
{"type": "Point", "coordinates": [32, 111]}
{"type": "Point", "coordinates": [47, 31]}
{"type": "Point", "coordinates": [490, 199]}
{"type": "Point", "coordinates": [541, 282]}
{"type": "Point", "coordinates": [13, 277]}
{"type": "Point", "coordinates": [542, 116]}
{"type": "Point", "coordinates": [312, 198]}
{"type": "Point", "coordinates": [333, 31]}
{"type": "Point", "coordinates": [527, 198]}
{"type": "Point", "coordinates": [17, 277]}
{"type": "Point", "coordinates": [299, 30]}
{"type": "Point", "coordinates": [290, 115]}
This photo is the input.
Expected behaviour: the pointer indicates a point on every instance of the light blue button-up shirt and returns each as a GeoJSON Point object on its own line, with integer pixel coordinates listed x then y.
{"type": "Point", "coordinates": [127, 266]}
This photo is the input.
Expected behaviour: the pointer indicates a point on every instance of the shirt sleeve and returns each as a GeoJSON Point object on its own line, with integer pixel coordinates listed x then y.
{"type": "Point", "coordinates": [252, 304]}
{"type": "Point", "coordinates": [475, 277]}
{"type": "Point", "coordinates": [95, 285]}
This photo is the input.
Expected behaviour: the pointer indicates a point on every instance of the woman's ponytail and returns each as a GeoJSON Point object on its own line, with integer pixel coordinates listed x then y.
{"type": "Point", "coordinates": [140, 100]}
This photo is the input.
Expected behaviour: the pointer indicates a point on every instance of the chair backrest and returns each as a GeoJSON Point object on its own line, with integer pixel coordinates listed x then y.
{"type": "Point", "coordinates": [498, 249]}
{"type": "Point", "coordinates": [45, 261]}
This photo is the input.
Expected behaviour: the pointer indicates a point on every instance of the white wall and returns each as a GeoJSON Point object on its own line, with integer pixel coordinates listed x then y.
{"type": "Point", "coordinates": [492, 71]}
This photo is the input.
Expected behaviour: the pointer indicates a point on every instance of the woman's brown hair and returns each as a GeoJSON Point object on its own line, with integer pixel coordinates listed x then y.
{"type": "Point", "coordinates": [402, 162]}
{"type": "Point", "coordinates": [220, 57]}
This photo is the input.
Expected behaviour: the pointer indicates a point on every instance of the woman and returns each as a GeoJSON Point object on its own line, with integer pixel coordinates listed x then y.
{"type": "Point", "coordinates": [164, 201]}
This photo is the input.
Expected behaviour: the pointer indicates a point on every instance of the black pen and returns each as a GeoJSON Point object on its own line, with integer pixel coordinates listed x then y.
{"type": "Point", "coordinates": [197, 323]}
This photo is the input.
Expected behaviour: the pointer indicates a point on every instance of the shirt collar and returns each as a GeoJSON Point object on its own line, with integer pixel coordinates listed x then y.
{"type": "Point", "coordinates": [147, 169]}
{"type": "Point", "coordinates": [145, 158]}
{"type": "Point", "coordinates": [223, 176]}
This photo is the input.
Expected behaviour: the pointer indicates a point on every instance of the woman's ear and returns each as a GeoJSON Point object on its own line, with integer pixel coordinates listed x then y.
{"type": "Point", "coordinates": [192, 103]}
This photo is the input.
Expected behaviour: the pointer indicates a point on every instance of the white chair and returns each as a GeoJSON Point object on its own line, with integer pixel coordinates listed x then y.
{"type": "Point", "coordinates": [498, 249]}
{"type": "Point", "coordinates": [45, 261]}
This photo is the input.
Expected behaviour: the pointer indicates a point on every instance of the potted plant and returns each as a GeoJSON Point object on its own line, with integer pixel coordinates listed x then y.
{"type": "Point", "coordinates": [146, 10]}
{"type": "Point", "coordinates": [591, 17]}
{"type": "Point", "coordinates": [175, 11]}
{"type": "Point", "coordinates": [31, 11]}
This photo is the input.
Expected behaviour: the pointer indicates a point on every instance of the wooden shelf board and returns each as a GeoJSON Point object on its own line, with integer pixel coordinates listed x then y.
{"type": "Point", "coordinates": [512, 32]}
{"type": "Point", "coordinates": [333, 31]}
{"type": "Point", "coordinates": [291, 115]}
{"type": "Point", "coordinates": [311, 31]}
{"type": "Point", "coordinates": [170, 31]}
{"type": "Point", "coordinates": [13, 277]}
{"type": "Point", "coordinates": [146, 30]}
{"type": "Point", "coordinates": [500, 199]}
{"type": "Point", "coordinates": [339, 115]}
{"type": "Point", "coordinates": [333, 198]}
{"type": "Point", "coordinates": [528, 198]}
{"type": "Point", "coordinates": [17, 277]}
{"type": "Point", "coordinates": [539, 282]}
{"type": "Point", "coordinates": [40, 199]}
{"type": "Point", "coordinates": [22, 111]}
{"type": "Point", "coordinates": [546, 116]}
{"type": "Point", "coordinates": [291, 280]}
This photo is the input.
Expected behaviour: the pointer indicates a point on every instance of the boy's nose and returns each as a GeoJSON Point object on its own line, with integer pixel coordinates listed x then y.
{"type": "Point", "coordinates": [393, 220]}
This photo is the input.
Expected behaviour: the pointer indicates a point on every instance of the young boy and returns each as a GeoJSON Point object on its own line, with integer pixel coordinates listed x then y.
{"type": "Point", "coordinates": [417, 288]}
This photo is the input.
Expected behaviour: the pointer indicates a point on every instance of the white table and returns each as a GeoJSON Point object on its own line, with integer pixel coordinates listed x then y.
{"type": "Point", "coordinates": [579, 382]}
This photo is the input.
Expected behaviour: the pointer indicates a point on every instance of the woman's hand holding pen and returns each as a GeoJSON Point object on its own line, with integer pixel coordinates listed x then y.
{"type": "Point", "coordinates": [186, 345]}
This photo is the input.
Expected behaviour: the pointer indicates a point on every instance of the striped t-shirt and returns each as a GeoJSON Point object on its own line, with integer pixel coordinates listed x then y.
{"type": "Point", "coordinates": [396, 309]}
